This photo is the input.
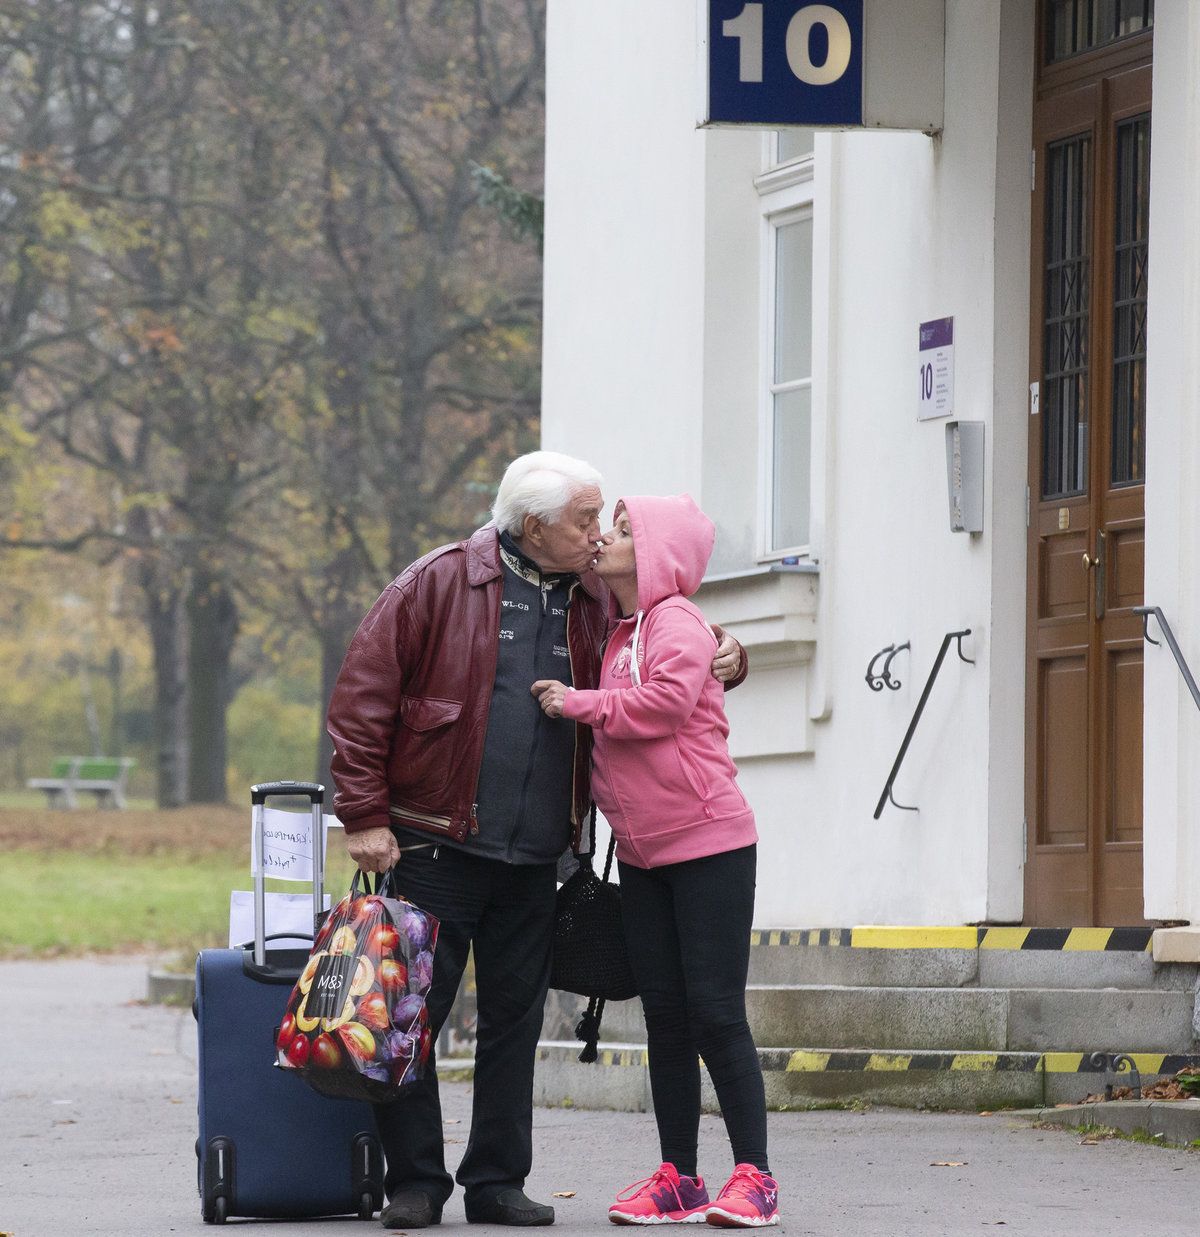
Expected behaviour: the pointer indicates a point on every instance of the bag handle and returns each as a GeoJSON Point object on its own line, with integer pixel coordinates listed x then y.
{"type": "Point", "coordinates": [588, 1027]}
{"type": "Point", "coordinates": [586, 859]}
{"type": "Point", "coordinates": [383, 882]}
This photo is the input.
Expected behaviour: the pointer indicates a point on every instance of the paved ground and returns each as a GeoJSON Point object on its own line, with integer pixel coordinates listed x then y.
{"type": "Point", "coordinates": [97, 1125]}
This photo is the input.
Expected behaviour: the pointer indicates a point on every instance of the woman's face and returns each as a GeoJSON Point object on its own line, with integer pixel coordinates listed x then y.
{"type": "Point", "coordinates": [615, 558]}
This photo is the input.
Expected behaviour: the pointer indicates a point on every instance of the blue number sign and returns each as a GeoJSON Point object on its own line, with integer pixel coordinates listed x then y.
{"type": "Point", "coordinates": [781, 62]}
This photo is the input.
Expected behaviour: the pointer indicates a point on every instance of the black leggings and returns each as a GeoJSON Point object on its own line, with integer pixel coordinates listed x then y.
{"type": "Point", "coordinates": [688, 928]}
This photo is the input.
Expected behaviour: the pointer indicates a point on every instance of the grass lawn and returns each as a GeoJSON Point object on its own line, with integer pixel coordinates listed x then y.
{"type": "Point", "coordinates": [105, 882]}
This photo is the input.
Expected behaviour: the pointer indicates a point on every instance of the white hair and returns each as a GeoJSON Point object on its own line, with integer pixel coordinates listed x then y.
{"type": "Point", "coordinates": [542, 484]}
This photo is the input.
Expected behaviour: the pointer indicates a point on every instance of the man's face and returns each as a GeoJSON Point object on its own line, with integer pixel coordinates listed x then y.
{"type": "Point", "coordinates": [569, 544]}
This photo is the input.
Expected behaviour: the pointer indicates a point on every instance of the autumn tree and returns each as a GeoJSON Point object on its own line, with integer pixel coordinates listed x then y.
{"type": "Point", "coordinates": [250, 292]}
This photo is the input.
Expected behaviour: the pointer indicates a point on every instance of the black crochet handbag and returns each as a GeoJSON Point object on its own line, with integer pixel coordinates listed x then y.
{"type": "Point", "coordinates": [590, 957]}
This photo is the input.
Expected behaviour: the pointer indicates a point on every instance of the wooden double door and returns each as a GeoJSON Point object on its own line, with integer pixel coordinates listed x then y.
{"type": "Point", "coordinates": [1091, 169]}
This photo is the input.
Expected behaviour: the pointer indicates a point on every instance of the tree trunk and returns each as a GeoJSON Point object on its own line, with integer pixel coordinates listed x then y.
{"type": "Point", "coordinates": [334, 641]}
{"type": "Point", "coordinates": [212, 630]}
{"type": "Point", "coordinates": [164, 618]}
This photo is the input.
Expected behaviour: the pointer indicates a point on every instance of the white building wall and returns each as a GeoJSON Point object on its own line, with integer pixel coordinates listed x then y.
{"type": "Point", "coordinates": [1172, 724]}
{"type": "Point", "coordinates": [652, 364]}
{"type": "Point", "coordinates": [625, 203]}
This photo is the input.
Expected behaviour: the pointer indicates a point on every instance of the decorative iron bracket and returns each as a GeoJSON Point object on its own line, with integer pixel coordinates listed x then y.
{"type": "Point", "coordinates": [877, 682]}
{"type": "Point", "coordinates": [891, 683]}
{"type": "Point", "coordinates": [1117, 1063]}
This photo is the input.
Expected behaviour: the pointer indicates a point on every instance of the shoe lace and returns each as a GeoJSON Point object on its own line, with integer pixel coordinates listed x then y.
{"type": "Point", "coordinates": [657, 1178]}
{"type": "Point", "coordinates": [746, 1182]}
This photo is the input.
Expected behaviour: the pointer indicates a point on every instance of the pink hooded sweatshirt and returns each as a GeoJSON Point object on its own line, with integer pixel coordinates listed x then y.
{"type": "Point", "coordinates": [662, 774]}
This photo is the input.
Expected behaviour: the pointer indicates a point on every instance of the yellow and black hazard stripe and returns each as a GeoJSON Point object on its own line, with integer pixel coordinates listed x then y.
{"type": "Point", "coordinates": [967, 936]}
{"type": "Point", "coordinates": [850, 1060]}
{"type": "Point", "coordinates": [801, 936]}
{"type": "Point", "coordinates": [1148, 1064]}
{"type": "Point", "coordinates": [1100, 940]}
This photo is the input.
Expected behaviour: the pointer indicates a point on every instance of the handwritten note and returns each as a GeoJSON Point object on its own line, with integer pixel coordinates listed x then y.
{"type": "Point", "coordinates": [288, 844]}
{"type": "Point", "coordinates": [285, 912]}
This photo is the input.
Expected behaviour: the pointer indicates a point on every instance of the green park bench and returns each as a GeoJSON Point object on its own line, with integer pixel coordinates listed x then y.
{"type": "Point", "coordinates": [103, 776]}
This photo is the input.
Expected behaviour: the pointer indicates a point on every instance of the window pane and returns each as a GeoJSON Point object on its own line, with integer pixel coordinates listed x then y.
{"type": "Point", "coordinates": [794, 144]}
{"type": "Point", "coordinates": [792, 415]}
{"type": "Point", "coordinates": [1066, 318]}
{"type": "Point", "coordinates": [1129, 301]}
{"type": "Point", "coordinates": [1075, 26]}
{"type": "Point", "coordinates": [793, 301]}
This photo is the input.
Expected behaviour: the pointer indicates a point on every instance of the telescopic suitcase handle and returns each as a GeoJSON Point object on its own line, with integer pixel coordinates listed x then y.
{"type": "Point", "coordinates": [311, 790]}
{"type": "Point", "coordinates": [259, 793]}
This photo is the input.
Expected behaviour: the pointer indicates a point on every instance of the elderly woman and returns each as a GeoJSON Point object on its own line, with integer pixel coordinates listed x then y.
{"type": "Point", "coordinates": [686, 843]}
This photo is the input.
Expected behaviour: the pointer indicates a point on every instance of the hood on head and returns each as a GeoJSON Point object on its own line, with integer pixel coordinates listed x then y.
{"type": "Point", "coordinates": [672, 541]}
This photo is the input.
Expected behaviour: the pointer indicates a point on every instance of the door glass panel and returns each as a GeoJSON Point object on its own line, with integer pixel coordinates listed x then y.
{"type": "Point", "coordinates": [1074, 26]}
{"type": "Point", "coordinates": [1132, 229]}
{"type": "Point", "coordinates": [1066, 318]}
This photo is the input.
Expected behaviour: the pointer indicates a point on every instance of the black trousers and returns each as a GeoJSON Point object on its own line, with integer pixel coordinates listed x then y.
{"type": "Point", "coordinates": [688, 929]}
{"type": "Point", "coordinates": [506, 913]}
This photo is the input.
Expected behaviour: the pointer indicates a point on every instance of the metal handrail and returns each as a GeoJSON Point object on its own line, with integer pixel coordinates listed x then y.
{"type": "Point", "coordinates": [1172, 644]}
{"type": "Point", "coordinates": [937, 665]}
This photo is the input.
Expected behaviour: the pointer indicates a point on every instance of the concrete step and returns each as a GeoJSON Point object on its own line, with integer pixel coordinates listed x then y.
{"type": "Point", "coordinates": [797, 1078]}
{"type": "Point", "coordinates": [788, 958]}
{"type": "Point", "coordinates": [933, 1019]}
{"type": "Point", "coordinates": [980, 1019]}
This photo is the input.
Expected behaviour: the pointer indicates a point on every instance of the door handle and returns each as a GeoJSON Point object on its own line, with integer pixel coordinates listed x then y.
{"type": "Point", "coordinates": [1088, 561]}
{"type": "Point", "coordinates": [1099, 563]}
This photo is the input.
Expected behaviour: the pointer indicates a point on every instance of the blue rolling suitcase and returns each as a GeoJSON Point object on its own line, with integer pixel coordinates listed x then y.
{"type": "Point", "coordinates": [269, 1145]}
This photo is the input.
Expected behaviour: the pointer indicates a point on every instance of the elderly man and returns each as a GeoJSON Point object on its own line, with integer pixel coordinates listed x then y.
{"type": "Point", "coordinates": [441, 752]}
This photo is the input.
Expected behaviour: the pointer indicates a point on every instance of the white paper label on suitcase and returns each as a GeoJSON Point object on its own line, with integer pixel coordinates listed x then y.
{"type": "Point", "coordinates": [286, 912]}
{"type": "Point", "coordinates": [288, 844]}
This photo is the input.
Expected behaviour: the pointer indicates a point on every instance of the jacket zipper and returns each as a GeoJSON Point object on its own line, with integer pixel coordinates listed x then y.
{"type": "Point", "coordinates": [426, 818]}
{"type": "Point", "coordinates": [537, 728]}
{"type": "Point", "coordinates": [576, 820]}
{"type": "Point", "coordinates": [473, 822]}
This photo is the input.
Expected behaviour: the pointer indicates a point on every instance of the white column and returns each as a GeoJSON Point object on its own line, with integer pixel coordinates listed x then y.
{"type": "Point", "coordinates": [1172, 722]}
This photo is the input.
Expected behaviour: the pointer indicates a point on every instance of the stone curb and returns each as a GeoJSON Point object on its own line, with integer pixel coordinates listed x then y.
{"type": "Point", "coordinates": [170, 988]}
{"type": "Point", "coordinates": [1174, 1121]}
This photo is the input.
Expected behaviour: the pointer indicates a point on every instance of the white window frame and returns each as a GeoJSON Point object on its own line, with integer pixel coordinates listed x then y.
{"type": "Point", "coordinates": [789, 192]}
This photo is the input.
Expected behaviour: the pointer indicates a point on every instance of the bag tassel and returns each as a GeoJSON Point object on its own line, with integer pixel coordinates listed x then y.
{"type": "Point", "coordinates": [588, 1030]}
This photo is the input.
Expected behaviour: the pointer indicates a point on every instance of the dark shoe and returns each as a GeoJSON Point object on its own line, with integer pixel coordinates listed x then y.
{"type": "Point", "coordinates": [411, 1209]}
{"type": "Point", "coordinates": [511, 1207]}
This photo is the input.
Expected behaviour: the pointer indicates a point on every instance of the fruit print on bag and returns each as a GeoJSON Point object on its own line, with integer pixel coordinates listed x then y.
{"type": "Point", "coordinates": [356, 1024]}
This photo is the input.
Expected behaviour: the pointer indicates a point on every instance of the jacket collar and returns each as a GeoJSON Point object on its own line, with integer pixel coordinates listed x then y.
{"type": "Point", "coordinates": [483, 563]}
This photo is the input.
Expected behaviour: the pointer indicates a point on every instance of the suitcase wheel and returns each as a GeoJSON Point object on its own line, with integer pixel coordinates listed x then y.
{"type": "Point", "coordinates": [219, 1210]}
{"type": "Point", "coordinates": [366, 1206]}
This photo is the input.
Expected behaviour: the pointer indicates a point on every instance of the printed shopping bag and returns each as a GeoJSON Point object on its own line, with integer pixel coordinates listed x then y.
{"type": "Point", "coordinates": [356, 1026]}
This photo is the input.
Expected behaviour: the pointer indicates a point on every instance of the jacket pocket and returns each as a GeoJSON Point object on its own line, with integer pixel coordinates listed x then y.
{"type": "Point", "coordinates": [428, 712]}
{"type": "Point", "coordinates": [425, 749]}
{"type": "Point", "coordinates": [692, 772]}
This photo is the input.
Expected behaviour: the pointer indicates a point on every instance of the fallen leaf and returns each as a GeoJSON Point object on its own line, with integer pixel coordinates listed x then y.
{"type": "Point", "coordinates": [1089, 1142]}
{"type": "Point", "coordinates": [452, 1121]}
{"type": "Point", "coordinates": [563, 1194]}
{"type": "Point", "coordinates": [948, 1164]}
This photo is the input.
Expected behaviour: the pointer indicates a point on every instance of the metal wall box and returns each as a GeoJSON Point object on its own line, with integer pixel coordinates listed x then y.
{"type": "Point", "coordinates": [964, 475]}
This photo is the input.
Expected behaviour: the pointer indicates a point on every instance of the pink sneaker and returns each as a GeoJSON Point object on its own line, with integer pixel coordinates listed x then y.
{"type": "Point", "coordinates": [662, 1198]}
{"type": "Point", "coordinates": [749, 1199]}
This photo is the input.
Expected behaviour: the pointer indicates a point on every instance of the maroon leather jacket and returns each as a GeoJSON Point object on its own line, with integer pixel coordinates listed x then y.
{"type": "Point", "coordinates": [409, 710]}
